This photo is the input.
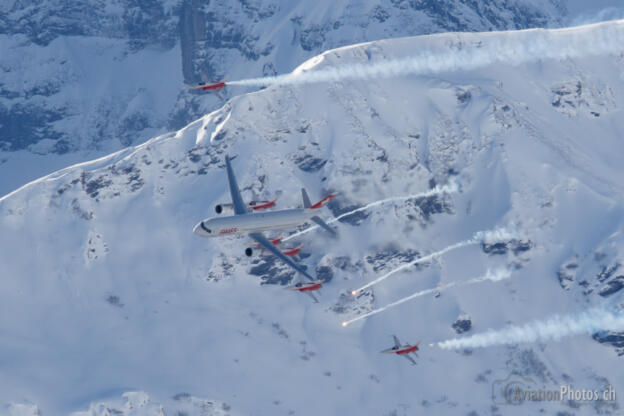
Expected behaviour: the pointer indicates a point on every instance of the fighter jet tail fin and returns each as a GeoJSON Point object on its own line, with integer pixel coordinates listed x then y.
{"type": "Point", "coordinates": [320, 204]}
{"type": "Point", "coordinates": [306, 198]}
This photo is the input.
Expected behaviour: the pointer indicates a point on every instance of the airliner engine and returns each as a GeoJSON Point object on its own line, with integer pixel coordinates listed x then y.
{"type": "Point", "coordinates": [219, 208]}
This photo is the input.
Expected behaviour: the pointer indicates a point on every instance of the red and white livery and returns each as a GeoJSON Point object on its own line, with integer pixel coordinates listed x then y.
{"type": "Point", "coordinates": [251, 206]}
{"type": "Point", "coordinates": [289, 251]}
{"type": "Point", "coordinates": [308, 288]}
{"type": "Point", "coordinates": [246, 221]}
{"type": "Point", "coordinates": [203, 86]}
{"type": "Point", "coordinates": [403, 350]}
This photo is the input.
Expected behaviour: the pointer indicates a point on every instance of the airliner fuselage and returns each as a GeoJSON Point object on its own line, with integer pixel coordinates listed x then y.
{"type": "Point", "coordinates": [253, 222]}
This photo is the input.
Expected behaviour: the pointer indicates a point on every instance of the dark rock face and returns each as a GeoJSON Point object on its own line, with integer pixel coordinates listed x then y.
{"type": "Point", "coordinates": [213, 37]}
{"type": "Point", "coordinates": [143, 22]}
{"type": "Point", "coordinates": [324, 273]}
{"type": "Point", "coordinates": [309, 163]}
{"type": "Point", "coordinates": [21, 126]}
{"type": "Point", "coordinates": [496, 248]}
{"type": "Point", "coordinates": [35, 108]}
{"type": "Point", "coordinates": [612, 286]}
{"type": "Point", "coordinates": [272, 271]}
{"type": "Point", "coordinates": [92, 186]}
{"type": "Point", "coordinates": [567, 94]}
{"type": "Point", "coordinates": [614, 339]}
{"type": "Point", "coordinates": [353, 219]}
{"type": "Point", "coordinates": [114, 301]}
{"type": "Point", "coordinates": [390, 255]}
{"type": "Point", "coordinates": [463, 96]}
{"type": "Point", "coordinates": [207, 29]}
{"type": "Point", "coordinates": [567, 273]}
{"type": "Point", "coordinates": [462, 324]}
{"type": "Point", "coordinates": [607, 272]}
{"type": "Point", "coordinates": [434, 204]}
{"type": "Point", "coordinates": [441, 16]}
{"type": "Point", "coordinates": [604, 284]}
{"type": "Point", "coordinates": [359, 304]}
{"type": "Point", "coordinates": [516, 246]}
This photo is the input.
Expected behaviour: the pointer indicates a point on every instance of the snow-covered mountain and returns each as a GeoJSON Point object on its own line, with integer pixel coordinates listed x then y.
{"type": "Point", "coordinates": [107, 293]}
{"type": "Point", "coordinates": [81, 79]}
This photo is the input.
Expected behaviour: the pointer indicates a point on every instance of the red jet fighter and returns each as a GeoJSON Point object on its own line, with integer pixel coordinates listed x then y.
{"type": "Point", "coordinates": [251, 206]}
{"type": "Point", "coordinates": [259, 205]}
{"type": "Point", "coordinates": [289, 251]}
{"type": "Point", "coordinates": [403, 350]}
{"type": "Point", "coordinates": [307, 288]}
{"type": "Point", "coordinates": [209, 87]}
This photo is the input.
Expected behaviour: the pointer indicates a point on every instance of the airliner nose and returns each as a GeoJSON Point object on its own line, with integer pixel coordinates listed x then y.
{"type": "Point", "coordinates": [201, 230]}
{"type": "Point", "coordinates": [197, 229]}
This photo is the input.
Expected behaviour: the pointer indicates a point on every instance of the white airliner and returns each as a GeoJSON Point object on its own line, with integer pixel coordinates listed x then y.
{"type": "Point", "coordinates": [246, 221]}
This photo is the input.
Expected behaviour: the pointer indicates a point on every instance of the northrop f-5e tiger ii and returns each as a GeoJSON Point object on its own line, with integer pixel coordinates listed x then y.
{"type": "Point", "coordinates": [403, 350]}
{"type": "Point", "coordinates": [246, 221]}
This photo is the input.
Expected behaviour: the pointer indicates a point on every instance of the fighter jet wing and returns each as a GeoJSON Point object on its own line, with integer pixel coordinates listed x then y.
{"type": "Point", "coordinates": [204, 77]}
{"type": "Point", "coordinates": [312, 296]}
{"type": "Point", "coordinates": [397, 343]}
{"type": "Point", "coordinates": [237, 200]}
{"type": "Point", "coordinates": [410, 358]}
{"type": "Point", "coordinates": [267, 245]}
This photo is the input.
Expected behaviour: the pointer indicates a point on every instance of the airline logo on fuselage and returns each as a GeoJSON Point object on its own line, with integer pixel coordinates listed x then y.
{"type": "Point", "coordinates": [228, 230]}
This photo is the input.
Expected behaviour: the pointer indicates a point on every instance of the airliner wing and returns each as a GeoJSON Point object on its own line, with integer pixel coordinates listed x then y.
{"type": "Point", "coordinates": [267, 245]}
{"type": "Point", "coordinates": [324, 225]}
{"type": "Point", "coordinates": [237, 200]}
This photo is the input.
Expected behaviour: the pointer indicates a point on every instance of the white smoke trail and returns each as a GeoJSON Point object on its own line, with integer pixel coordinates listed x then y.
{"type": "Point", "coordinates": [513, 47]}
{"type": "Point", "coordinates": [494, 276]}
{"type": "Point", "coordinates": [464, 243]}
{"type": "Point", "coordinates": [498, 234]}
{"type": "Point", "coordinates": [555, 328]}
{"type": "Point", "coordinates": [450, 188]}
{"type": "Point", "coordinates": [480, 236]}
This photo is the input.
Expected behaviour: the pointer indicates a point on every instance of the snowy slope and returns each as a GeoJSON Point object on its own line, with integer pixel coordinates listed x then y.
{"type": "Point", "coordinates": [107, 292]}
{"type": "Point", "coordinates": [81, 79]}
